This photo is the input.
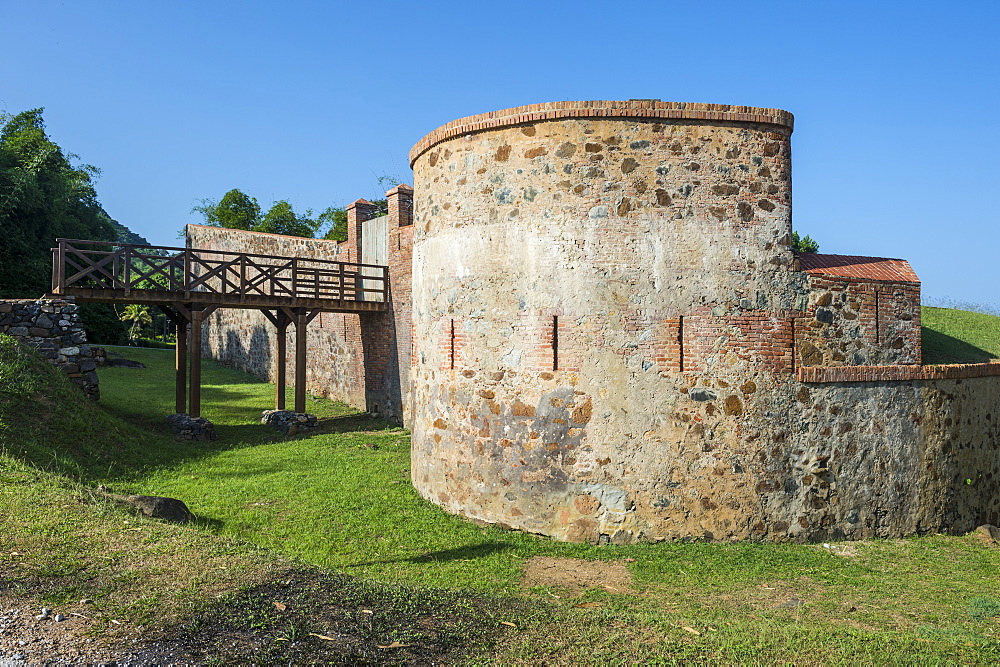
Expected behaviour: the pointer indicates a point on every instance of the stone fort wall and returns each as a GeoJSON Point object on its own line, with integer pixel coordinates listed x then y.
{"type": "Point", "coordinates": [609, 325]}
{"type": "Point", "coordinates": [53, 328]}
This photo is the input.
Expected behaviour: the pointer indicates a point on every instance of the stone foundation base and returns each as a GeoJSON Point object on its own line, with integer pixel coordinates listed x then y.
{"type": "Point", "coordinates": [289, 422]}
{"type": "Point", "coordinates": [192, 428]}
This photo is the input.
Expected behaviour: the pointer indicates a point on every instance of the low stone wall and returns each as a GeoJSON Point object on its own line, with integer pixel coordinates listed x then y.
{"type": "Point", "coordinates": [821, 374]}
{"type": "Point", "coordinates": [54, 329]}
{"type": "Point", "coordinates": [857, 322]}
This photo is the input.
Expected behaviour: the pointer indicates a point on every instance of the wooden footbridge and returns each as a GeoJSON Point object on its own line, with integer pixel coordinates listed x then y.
{"type": "Point", "coordinates": [188, 284]}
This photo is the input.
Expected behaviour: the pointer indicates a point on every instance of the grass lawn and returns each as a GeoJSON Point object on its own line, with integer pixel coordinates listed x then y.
{"type": "Point", "coordinates": [340, 499]}
{"type": "Point", "coordinates": [959, 336]}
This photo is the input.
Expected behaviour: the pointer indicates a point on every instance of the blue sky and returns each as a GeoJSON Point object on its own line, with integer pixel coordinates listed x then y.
{"type": "Point", "coordinates": [894, 153]}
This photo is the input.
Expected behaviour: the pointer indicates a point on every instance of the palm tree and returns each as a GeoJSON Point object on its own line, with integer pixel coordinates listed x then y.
{"type": "Point", "coordinates": [139, 317]}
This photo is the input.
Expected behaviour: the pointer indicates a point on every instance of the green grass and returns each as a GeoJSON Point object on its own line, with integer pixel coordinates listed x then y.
{"type": "Point", "coordinates": [959, 336]}
{"type": "Point", "coordinates": [331, 500]}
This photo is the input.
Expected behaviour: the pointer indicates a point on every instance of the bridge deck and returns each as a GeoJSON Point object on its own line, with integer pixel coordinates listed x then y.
{"type": "Point", "coordinates": [162, 297]}
{"type": "Point", "coordinates": [125, 273]}
{"type": "Point", "coordinates": [188, 284]}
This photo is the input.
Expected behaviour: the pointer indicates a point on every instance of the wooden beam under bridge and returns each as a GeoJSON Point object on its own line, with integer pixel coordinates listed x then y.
{"type": "Point", "coordinates": [189, 320]}
{"type": "Point", "coordinates": [281, 318]}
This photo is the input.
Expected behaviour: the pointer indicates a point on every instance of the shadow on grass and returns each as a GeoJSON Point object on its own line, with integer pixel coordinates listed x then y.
{"type": "Point", "coordinates": [47, 423]}
{"type": "Point", "coordinates": [353, 423]}
{"type": "Point", "coordinates": [468, 552]}
{"type": "Point", "coordinates": [207, 524]}
{"type": "Point", "coordinates": [355, 622]}
{"type": "Point", "coordinates": [939, 348]}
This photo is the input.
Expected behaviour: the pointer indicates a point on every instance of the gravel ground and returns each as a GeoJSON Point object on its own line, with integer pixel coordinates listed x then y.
{"type": "Point", "coordinates": [62, 637]}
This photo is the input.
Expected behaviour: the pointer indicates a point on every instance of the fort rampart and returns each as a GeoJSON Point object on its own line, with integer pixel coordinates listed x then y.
{"type": "Point", "coordinates": [352, 358]}
{"type": "Point", "coordinates": [609, 324]}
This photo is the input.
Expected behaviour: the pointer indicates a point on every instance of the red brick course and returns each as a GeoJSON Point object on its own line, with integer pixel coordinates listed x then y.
{"type": "Point", "coordinates": [826, 374]}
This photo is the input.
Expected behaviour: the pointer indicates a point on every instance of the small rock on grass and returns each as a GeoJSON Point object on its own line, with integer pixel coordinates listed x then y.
{"type": "Point", "coordinates": [791, 604]}
{"type": "Point", "coordinates": [991, 533]}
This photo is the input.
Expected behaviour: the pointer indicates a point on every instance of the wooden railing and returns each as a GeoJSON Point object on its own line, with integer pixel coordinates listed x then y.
{"type": "Point", "coordinates": [128, 268]}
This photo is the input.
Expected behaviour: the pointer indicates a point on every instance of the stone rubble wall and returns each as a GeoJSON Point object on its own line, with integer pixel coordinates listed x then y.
{"type": "Point", "coordinates": [53, 328]}
{"type": "Point", "coordinates": [854, 322]}
{"type": "Point", "coordinates": [610, 341]}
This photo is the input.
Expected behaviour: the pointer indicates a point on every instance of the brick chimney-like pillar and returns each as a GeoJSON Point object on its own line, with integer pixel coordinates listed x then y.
{"type": "Point", "coordinates": [400, 200]}
{"type": "Point", "coordinates": [400, 206]}
{"type": "Point", "coordinates": [357, 213]}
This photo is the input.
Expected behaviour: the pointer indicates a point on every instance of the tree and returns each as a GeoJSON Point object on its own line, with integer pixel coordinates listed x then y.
{"type": "Point", "coordinates": [235, 210]}
{"type": "Point", "coordinates": [281, 219]}
{"type": "Point", "coordinates": [336, 217]}
{"type": "Point", "coordinates": [804, 244]}
{"type": "Point", "coordinates": [43, 196]}
{"type": "Point", "coordinates": [139, 317]}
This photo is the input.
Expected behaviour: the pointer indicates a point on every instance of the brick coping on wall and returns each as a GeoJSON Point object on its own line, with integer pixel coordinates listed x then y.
{"type": "Point", "coordinates": [601, 109]}
{"type": "Point", "coordinates": [827, 374]}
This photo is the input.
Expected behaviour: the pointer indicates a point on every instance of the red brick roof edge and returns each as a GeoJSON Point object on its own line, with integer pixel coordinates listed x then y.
{"type": "Point", "coordinates": [856, 266]}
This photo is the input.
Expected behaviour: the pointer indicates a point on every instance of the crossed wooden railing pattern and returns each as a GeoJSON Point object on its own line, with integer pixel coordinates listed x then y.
{"type": "Point", "coordinates": [189, 271]}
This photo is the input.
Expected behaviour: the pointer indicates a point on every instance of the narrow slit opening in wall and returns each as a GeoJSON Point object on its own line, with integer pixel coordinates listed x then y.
{"type": "Point", "coordinates": [452, 342]}
{"type": "Point", "coordinates": [877, 338]}
{"type": "Point", "coordinates": [791, 324]}
{"type": "Point", "coordinates": [555, 342]}
{"type": "Point", "coordinates": [680, 343]}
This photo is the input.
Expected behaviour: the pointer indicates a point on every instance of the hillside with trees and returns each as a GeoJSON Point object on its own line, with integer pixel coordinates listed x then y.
{"type": "Point", "coordinates": [46, 194]}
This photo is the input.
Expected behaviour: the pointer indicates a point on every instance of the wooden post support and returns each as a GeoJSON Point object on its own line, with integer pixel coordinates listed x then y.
{"type": "Point", "coordinates": [301, 322]}
{"type": "Point", "coordinates": [197, 316]}
{"type": "Point", "coordinates": [180, 316]}
{"type": "Point", "coordinates": [281, 361]}
{"type": "Point", "coordinates": [180, 367]}
{"type": "Point", "coordinates": [280, 319]}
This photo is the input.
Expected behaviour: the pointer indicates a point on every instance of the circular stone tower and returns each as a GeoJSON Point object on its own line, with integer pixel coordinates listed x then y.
{"type": "Point", "coordinates": [588, 278]}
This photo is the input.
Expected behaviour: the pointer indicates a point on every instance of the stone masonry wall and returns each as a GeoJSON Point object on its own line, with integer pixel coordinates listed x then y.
{"type": "Point", "coordinates": [853, 322]}
{"type": "Point", "coordinates": [612, 341]}
{"type": "Point", "coordinates": [54, 329]}
{"type": "Point", "coordinates": [245, 339]}
{"type": "Point", "coordinates": [624, 237]}
{"type": "Point", "coordinates": [605, 321]}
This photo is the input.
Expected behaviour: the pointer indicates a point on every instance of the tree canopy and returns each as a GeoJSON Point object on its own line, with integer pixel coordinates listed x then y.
{"type": "Point", "coordinates": [336, 217]}
{"type": "Point", "coordinates": [804, 243]}
{"type": "Point", "coordinates": [43, 196]}
{"type": "Point", "coordinates": [281, 219]}
{"type": "Point", "coordinates": [237, 210]}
